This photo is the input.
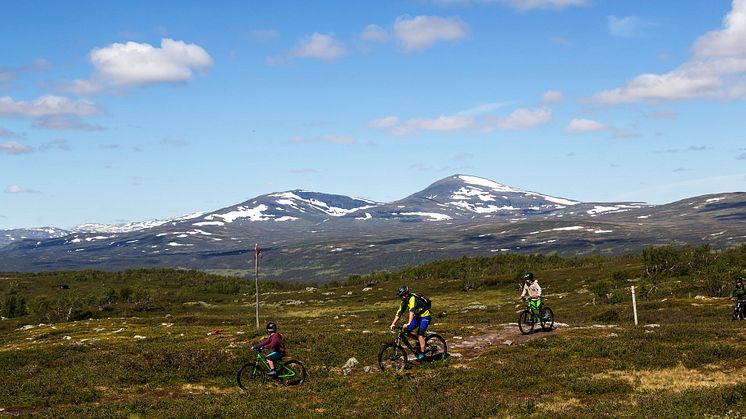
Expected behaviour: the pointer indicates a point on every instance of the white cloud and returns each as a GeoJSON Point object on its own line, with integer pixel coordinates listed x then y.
{"type": "Point", "coordinates": [422, 32]}
{"type": "Point", "coordinates": [522, 119]}
{"type": "Point", "coordinates": [729, 41]}
{"type": "Point", "coordinates": [717, 69]}
{"type": "Point", "coordinates": [625, 27]}
{"type": "Point", "coordinates": [64, 122]}
{"type": "Point", "coordinates": [525, 5]}
{"type": "Point", "coordinates": [484, 108]}
{"type": "Point", "coordinates": [374, 33]}
{"type": "Point", "coordinates": [81, 87]}
{"type": "Point", "coordinates": [143, 64]}
{"type": "Point", "coordinates": [12, 147]}
{"type": "Point", "coordinates": [517, 120]}
{"type": "Point", "coordinates": [18, 189]}
{"type": "Point", "coordinates": [386, 122]}
{"type": "Point", "coordinates": [47, 105]}
{"type": "Point", "coordinates": [319, 46]}
{"type": "Point", "coordinates": [579, 125]}
{"type": "Point", "coordinates": [553, 96]}
{"type": "Point", "coordinates": [520, 5]}
{"type": "Point", "coordinates": [441, 123]}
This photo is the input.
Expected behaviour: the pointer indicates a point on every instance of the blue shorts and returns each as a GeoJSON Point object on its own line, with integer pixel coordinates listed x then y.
{"type": "Point", "coordinates": [421, 324]}
{"type": "Point", "coordinates": [275, 356]}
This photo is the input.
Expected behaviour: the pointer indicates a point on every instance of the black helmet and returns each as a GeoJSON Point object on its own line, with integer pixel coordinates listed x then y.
{"type": "Point", "coordinates": [528, 277]}
{"type": "Point", "coordinates": [271, 327]}
{"type": "Point", "coordinates": [739, 280]}
{"type": "Point", "coordinates": [402, 291]}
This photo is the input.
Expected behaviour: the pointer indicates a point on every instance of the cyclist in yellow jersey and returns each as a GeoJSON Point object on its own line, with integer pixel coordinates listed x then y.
{"type": "Point", "coordinates": [419, 316]}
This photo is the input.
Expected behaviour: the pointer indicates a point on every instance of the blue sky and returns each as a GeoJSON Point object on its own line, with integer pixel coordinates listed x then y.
{"type": "Point", "coordinates": [124, 111]}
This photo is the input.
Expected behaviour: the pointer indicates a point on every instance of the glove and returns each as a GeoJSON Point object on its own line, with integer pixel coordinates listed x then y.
{"type": "Point", "coordinates": [405, 329]}
{"type": "Point", "coordinates": [392, 327]}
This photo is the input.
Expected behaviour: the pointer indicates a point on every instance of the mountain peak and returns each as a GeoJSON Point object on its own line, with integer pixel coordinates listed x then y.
{"type": "Point", "coordinates": [481, 195]}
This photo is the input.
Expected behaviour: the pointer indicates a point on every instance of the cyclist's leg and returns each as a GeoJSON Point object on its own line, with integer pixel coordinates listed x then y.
{"type": "Point", "coordinates": [273, 359]}
{"type": "Point", "coordinates": [424, 322]}
{"type": "Point", "coordinates": [415, 325]}
{"type": "Point", "coordinates": [540, 305]}
{"type": "Point", "coordinates": [533, 305]}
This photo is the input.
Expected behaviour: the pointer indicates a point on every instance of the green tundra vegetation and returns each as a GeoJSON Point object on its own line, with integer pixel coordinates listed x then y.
{"type": "Point", "coordinates": [137, 343]}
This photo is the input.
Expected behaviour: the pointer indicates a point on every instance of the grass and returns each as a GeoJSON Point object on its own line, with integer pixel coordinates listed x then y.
{"type": "Point", "coordinates": [152, 356]}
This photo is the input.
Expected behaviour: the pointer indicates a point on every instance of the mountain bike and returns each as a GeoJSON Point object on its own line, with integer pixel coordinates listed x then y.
{"type": "Point", "coordinates": [533, 315]}
{"type": "Point", "coordinates": [290, 372]}
{"type": "Point", "coordinates": [393, 356]}
{"type": "Point", "coordinates": [739, 312]}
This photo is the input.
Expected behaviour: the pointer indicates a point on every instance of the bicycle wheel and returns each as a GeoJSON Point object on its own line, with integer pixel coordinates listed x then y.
{"type": "Point", "coordinates": [547, 320]}
{"type": "Point", "coordinates": [293, 373]}
{"type": "Point", "coordinates": [392, 357]}
{"type": "Point", "coordinates": [435, 347]}
{"type": "Point", "coordinates": [526, 322]}
{"type": "Point", "coordinates": [251, 375]}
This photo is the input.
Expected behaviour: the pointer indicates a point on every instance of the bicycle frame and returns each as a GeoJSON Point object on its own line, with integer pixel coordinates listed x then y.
{"type": "Point", "coordinates": [282, 370]}
{"type": "Point", "coordinates": [404, 336]}
{"type": "Point", "coordinates": [739, 310]}
{"type": "Point", "coordinates": [533, 306]}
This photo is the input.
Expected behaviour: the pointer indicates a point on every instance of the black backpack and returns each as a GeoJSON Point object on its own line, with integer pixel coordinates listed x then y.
{"type": "Point", "coordinates": [423, 301]}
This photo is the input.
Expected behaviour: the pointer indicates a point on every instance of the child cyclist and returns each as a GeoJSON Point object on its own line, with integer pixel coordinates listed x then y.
{"type": "Point", "coordinates": [275, 344]}
{"type": "Point", "coordinates": [533, 290]}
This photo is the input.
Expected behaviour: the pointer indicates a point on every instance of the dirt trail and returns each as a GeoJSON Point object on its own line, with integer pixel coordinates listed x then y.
{"type": "Point", "coordinates": [489, 337]}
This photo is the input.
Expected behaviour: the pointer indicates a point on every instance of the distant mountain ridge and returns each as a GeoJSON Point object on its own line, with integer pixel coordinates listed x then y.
{"type": "Point", "coordinates": [316, 236]}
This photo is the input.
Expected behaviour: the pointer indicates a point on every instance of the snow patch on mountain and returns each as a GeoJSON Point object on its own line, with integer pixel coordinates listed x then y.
{"type": "Point", "coordinates": [601, 209]}
{"type": "Point", "coordinates": [209, 223]}
{"type": "Point", "coordinates": [253, 214]}
{"type": "Point", "coordinates": [434, 216]}
{"type": "Point", "coordinates": [295, 201]}
{"type": "Point", "coordinates": [497, 187]}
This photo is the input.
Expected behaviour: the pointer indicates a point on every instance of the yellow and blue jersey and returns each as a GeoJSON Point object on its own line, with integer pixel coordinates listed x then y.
{"type": "Point", "coordinates": [413, 304]}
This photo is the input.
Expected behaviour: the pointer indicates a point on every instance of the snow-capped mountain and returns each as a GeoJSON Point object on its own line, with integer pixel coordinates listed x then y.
{"type": "Point", "coordinates": [11, 235]}
{"type": "Point", "coordinates": [287, 206]}
{"type": "Point", "coordinates": [129, 227]}
{"type": "Point", "coordinates": [463, 196]}
{"type": "Point", "coordinates": [316, 236]}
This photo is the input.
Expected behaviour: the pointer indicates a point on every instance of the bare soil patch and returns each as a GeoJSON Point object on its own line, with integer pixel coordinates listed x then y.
{"type": "Point", "coordinates": [489, 337]}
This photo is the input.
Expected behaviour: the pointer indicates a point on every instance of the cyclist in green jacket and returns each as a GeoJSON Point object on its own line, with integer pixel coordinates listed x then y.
{"type": "Point", "coordinates": [419, 316]}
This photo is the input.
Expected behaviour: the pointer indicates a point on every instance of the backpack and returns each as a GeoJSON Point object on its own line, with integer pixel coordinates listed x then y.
{"type": "Point", "coordinates": [422, 301]}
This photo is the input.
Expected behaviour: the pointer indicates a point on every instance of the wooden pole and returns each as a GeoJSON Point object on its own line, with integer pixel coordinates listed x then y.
{"type": "Point", "coordinates": [634, 304]}
{"type": "Point", "coordinates": [257, 250]}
